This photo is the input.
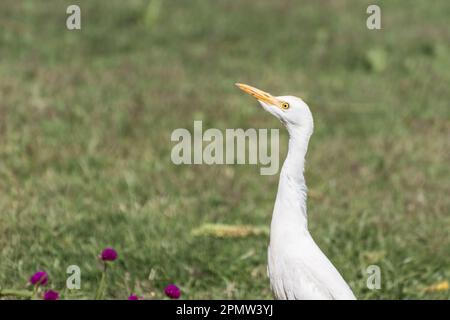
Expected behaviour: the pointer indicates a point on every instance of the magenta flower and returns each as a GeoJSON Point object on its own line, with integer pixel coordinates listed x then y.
{"type": "Point", "coordinates": [39, 278]}
{"type": "Point", "coordinates": [172, 291]}
{"type": "Point", "coordinates": [133, 297]}
{"type": "Point", "coordinates": [51, 295]}
{"type": "Point", "coordinates": [108, 254]}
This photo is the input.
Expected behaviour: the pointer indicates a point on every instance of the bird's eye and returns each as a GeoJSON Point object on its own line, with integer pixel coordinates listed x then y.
{"type": "Point", "coordinates": [285, 105]}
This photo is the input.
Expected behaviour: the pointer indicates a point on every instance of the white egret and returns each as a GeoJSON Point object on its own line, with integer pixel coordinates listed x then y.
{"type": "Point", "coordinates": [297, 268]}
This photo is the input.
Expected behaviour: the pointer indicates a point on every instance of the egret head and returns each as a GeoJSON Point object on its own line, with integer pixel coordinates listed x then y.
{"type": "Point", "coordinates": [293, 112]}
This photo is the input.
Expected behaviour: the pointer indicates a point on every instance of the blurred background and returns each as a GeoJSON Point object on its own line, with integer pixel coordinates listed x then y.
{"type": "Point", "coordinates": [86, 118]}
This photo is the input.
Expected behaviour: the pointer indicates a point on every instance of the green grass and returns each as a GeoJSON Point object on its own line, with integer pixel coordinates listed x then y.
{"type": "Point", "coordinates": [86, 118]}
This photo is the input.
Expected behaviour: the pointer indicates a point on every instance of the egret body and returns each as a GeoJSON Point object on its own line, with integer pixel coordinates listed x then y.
{"type": "Point", "coordinates": [297, 268]}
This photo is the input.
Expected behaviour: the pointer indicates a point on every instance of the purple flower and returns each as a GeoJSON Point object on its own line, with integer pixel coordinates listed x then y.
{"type": "Point", "coordinates": [108, 254]}
{"type": "Point", "coordinates": [39, 278]}
{"type": "Point", "coordinates": [133, 297]}
{"type": "Point", "coordinates": [51, 295]}
{"type": "Point", "coordinates": [172, 291]}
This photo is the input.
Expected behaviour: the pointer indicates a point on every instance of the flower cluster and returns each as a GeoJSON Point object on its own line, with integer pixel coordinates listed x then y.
{"type": "Point", "coordinates": [40, 279]}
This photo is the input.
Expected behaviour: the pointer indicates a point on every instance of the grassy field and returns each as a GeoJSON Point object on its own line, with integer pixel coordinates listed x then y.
{"type": "Point", "coordinates": [86, 118]}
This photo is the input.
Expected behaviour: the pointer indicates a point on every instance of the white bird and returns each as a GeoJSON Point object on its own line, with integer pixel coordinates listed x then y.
{"type": "Point", "coordinates": [297, 268]}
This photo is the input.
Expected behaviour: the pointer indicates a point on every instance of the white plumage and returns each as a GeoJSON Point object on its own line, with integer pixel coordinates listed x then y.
{"type": "Point", "coordinates": [297, 268]}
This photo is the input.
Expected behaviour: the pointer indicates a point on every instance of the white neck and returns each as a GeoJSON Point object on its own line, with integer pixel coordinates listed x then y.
{"type": "Point", "coordinates": [290, 212]}
{"type": "Point", "coordinates": [291, 245]}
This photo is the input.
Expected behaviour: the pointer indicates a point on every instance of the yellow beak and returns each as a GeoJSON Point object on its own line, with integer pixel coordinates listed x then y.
{"type": "Point", "coordinates": [260, 95]}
